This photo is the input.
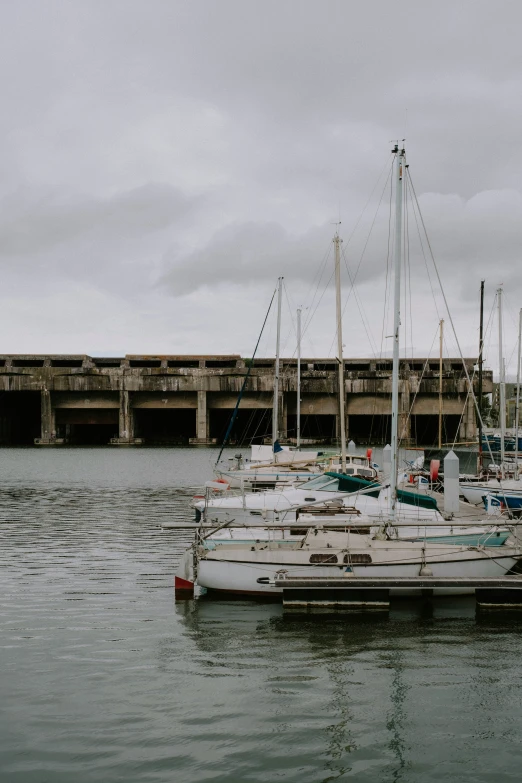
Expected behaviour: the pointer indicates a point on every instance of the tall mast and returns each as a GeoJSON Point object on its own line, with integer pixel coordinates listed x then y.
{"type": "Point", "coordinates": [440, 384]}
{"type": "Point", "coordinates": [502, 386]}
{"type": "Point", "coordinates": [399, 163]}
{"type": "Point", "coordinates": [275, 415]}
{"type": "Point", "coordinates": [480, 380]}
{"type": "Point", "coordinates": [342, 417]}
{"type": "Point", "coordinates": [298, 427]}
{"type": "Point", "coordinates": [517, 406]}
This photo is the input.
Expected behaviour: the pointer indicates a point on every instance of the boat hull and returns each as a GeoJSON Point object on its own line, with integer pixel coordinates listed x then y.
{"type": "Point", "coordinates": [475, 493]}
{"type": "Point", "coordinates": [243, 578]}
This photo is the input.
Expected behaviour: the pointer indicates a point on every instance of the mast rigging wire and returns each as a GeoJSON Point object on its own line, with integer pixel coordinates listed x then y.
{"type": "Point", "coordinates": [245, 381]}
{"type": "Point", "coordinates": [450, 317]}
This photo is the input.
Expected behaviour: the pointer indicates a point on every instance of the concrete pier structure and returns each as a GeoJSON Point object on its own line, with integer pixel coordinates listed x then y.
{"type": "Point", "coordinates": [131, 400]}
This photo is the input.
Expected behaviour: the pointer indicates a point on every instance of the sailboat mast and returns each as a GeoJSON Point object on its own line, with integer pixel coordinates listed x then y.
{"type": "Point", "coordinates": [342, 416]}
{"type": "Point", "coordinates": [517, 405]}
{"type": "Point", "coordinates": [502, 386]}
{"type": "Point", "coordinates": [298, 426]}
{"type": "Point", "coordinates": [275, 414]}
{"type": "Point", "coordinates": [480, 376]}
{"type": "Point", "coordinates": [399, 162]}
{"type": "Point", "coordinates": [440, 383]}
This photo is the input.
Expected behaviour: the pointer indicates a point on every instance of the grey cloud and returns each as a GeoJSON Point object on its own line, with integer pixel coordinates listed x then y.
{"type": "Point", "coordinates": [243, 253]}
{"type": "Point", "coordinates": [157, 148]}
{"type": "Point", "coordinates": [481, 236]}
{"type": "Point", "coordinates": [37, 222]}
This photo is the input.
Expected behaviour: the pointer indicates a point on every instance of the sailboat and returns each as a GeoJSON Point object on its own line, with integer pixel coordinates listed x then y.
{"type": "Point", "coordinates": [249, 569]}
{"type": "Point", "coordinates": [507, 491]}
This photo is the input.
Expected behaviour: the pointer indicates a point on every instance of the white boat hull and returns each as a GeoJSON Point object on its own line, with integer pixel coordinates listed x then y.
{"type": "Point", "coordinates": [240, 573]}
{"type": "Point", "coordinates": [475, 493]}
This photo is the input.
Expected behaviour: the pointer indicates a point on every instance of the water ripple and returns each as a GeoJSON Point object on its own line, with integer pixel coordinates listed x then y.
{"type": "Point", "coordinates": [105, 678]}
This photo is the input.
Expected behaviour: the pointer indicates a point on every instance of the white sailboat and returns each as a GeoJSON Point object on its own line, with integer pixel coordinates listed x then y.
{"type": "Point", "coordinates": [509, 491]}
{"type": "Point", "coordinates": [249, 569]}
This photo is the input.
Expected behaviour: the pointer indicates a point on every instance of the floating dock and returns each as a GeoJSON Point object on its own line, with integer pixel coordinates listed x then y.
{"type": "Point", "coordinates": [374, 593]}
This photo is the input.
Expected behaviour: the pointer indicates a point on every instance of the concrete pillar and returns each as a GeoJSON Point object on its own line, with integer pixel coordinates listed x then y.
{"type": "Point", "coordinates": [468, 424]}
{"type": "Point", "coordinates": [202, 417]}
{"type": "Point", "coordinates": [48, 422]}
{"type": "Point", "coordinates": [47, 415]}
{"type": "Point", "coordinates": [351, 447]}
{"type": "Point", "coordinates": [202, 428]}
{"type": "Point", "coordinates": [451, 483]}
{"type": "Point", "coordinates": [126, 423]}
{"type": "Point", "coordinates": [126, 419]}
{"type": "Point", "coordinates": [404, 420]}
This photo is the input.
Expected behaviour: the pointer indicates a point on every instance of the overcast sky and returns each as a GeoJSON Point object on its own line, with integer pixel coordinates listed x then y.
{"type": "Point", "coordinates": [162, 162]}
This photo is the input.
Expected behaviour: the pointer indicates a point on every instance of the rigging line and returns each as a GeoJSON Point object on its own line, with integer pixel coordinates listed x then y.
{"type": "Point", "coordinates": [424, 256]}
{"type": "Point", "coordinates": [457, 431]}
{"type": "Point", "coordinates": [246, 429]}
{"type": "Point", "coordinates": [507, 309]}
{"type": "Point", "coordinates": [370, 198]}
{"type": "Point", "coordinates": [312, 314]}
{"type": "Point", "coordinates": [489, 328]}
{"type": "Point", "coordinates": [262, 418]}
{"type": "Point", "coordinates": [406, 212]}
{"type": "Point", "coordinates": [387, 267]}
{"type": "Point", "coordinates": [324, 264]}
{"type": "Point", "coordinates": [245, 381]}
{"type": "Point", "coordinates": [354, 278]}
{"type": "Point", "coordinates": [402, 261]}
{"type": "Point", "coordinates": [309, 321]}
{"type": "Point", "coordinates": [426, 363]}
{"type": "Point", "coordinates": [470, 385]}
{"type": "Point", "coordinates": [291, 310]}
{"type": "Point", "coordinates": [319, 274]}
{"type": "Point", "coordinates": [364, 317]}
{"type": "Point", "coordinates": [286, 369]}
{"type": "Point", "coordinates": [369, 235]}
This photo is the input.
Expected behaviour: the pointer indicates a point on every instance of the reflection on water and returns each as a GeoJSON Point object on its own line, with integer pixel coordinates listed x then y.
{"type": "Point", "coordinates": [105, 678]}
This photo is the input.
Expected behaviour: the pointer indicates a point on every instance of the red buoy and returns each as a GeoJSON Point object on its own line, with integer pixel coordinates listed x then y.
{"type": "Point", "coordinates": [434, 469]}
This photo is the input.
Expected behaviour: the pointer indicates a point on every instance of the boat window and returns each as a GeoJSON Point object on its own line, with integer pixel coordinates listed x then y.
{"type": "Point", "coordinates": [323, 558]}
{"type": "Point", "coordinates": [322, 483]}
{"type": "Point", "coordinates": [349, 471]}
{"type": "Point", "coordinates": [357, 558]}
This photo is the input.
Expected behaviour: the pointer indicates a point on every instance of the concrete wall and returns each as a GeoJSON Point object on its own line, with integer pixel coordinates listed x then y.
{"type": "Point", "coordinates": [209, 386]}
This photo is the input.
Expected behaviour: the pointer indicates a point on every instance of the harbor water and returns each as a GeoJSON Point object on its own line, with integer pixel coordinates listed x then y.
{"type": "Point", "coordinates": [105, 679]}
